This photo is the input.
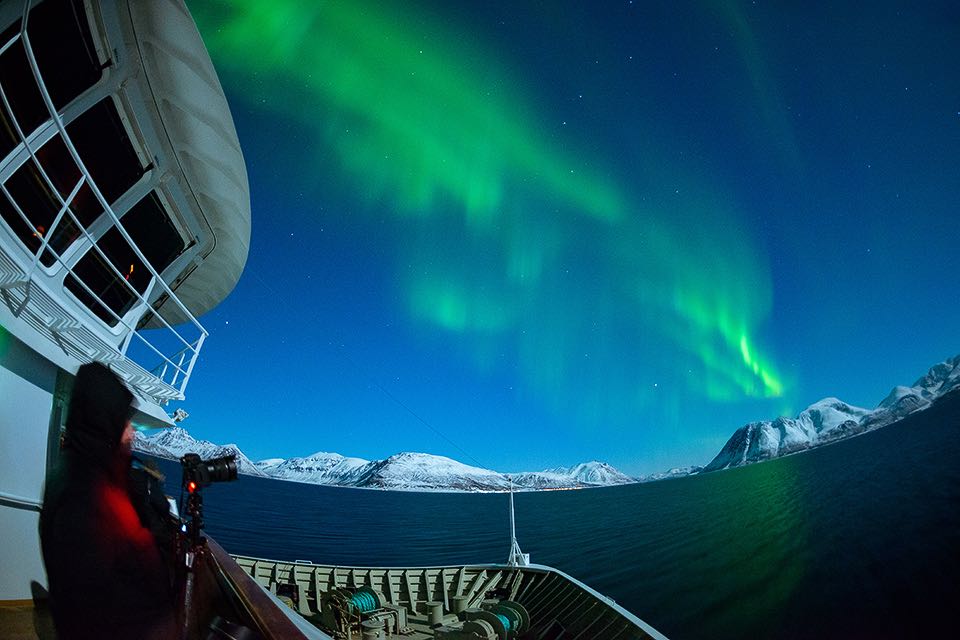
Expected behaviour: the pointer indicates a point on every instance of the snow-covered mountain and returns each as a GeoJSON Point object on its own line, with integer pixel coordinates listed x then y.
{"type": "Point", "coordinates": [403, 471]}
{"type": "Point", "coordinates": [269, 464]}
{"type": "Point", "coordinates": [425, 472]}
{"type": "Point", "coordinates": [174, 442]}
{"type": "Point", "coordinates": [676, 472]}
{"type": "Point", "coordinates": [823, 422]}
{"type": "Point", "coordinates": [586, 474]}
{"type": "Point", "coordinates": [831, 419]}
{"type": "Point", "coordinates": [319, 468]}
{"type": "Point", "coordinates": [598, 473]}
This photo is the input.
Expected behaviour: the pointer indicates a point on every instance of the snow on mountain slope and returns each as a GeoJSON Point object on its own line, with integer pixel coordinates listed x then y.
{"type": "Point", "coordinates": [585, 474]}
{"type": "Point", "coordinates": [821, 422]}
{"type": "Point", "coordinates": [174, 442]}
{"type": "Point", "coordinates": [831, 419]}
{"type": "Point", "coordinates": [829, 413]}
{"type": "Point", "coordinates": [598, 473]}
{"type": "Point", "coordinates": [422, 471]}
{"type": "Point", "coordinates": [940, 379]}
{"type": "Point", "coordinates": [268, 464]}
{"type": "Point", "coordinates": [676, 472]}
{"type": "Point", "coordinates": [403, 471]}
{"type": "Point", "coordinates": [897, 395]}
{"type": "Point", "coordinates": [319, 468]}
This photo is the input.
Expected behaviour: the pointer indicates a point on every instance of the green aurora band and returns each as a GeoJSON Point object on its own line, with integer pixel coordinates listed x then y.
{"type": "Point", "coordinates": [771, 113]}
{"type": "Point", "coordinates": [514, 243]}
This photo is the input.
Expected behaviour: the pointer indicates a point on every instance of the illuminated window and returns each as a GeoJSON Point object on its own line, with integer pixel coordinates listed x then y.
{"type": "Point", "coordinates": [37, 201]}
{"type": "Point", "coordinates": [103, 145]}
{"type": "Point", "coordinates": [158, 240]}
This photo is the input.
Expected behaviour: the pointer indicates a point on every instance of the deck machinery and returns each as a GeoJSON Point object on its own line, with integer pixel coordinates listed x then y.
{"type": "Point", "coordinates": [472, 602]}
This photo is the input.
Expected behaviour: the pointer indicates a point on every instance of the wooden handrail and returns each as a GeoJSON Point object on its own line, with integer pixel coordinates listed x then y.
{"type": "Point", "coordinates": [271, 621]}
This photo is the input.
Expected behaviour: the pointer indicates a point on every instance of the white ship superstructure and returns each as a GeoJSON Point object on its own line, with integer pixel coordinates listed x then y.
{"type": "Point", "coordinates": [124, 216]}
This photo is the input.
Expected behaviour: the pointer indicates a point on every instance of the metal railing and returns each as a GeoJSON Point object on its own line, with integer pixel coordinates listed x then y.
{"type": "Point", "coordinates": [19, 502]}
{"type": "Point", "coordinates": [173, 370]}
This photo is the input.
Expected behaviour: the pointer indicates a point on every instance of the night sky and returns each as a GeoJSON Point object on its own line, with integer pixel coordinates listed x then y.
{"type": "Point", "coordinates": [531, 234]}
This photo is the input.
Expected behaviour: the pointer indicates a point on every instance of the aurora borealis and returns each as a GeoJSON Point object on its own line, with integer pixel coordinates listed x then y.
{"type": "Point", "coordinates": [593, 232]}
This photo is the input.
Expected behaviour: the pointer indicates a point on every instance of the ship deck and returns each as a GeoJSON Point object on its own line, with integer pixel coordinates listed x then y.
{"type": "Point", "coordinates": [558, 605]}
{"type": "Point", "coordinates": [21, 620]}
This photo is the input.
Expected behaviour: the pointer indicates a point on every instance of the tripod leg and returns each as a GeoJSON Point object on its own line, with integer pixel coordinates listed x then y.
{"type": "Point", "coordinates": [189, 558]}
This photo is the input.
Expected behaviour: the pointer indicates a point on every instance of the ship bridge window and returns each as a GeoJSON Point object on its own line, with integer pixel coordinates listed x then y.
{"type": "Point", "coordinates": [63, 47]}
{"type": "Point", "coordinates": [105, 148]}
{"type": "Point", "coordinates": [151, 229]}
{"type": "Point", "coordinates": [21, 92]}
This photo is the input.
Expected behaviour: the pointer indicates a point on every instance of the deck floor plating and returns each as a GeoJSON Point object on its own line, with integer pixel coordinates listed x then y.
{"type": "Point", "coordinates": [20, 620]}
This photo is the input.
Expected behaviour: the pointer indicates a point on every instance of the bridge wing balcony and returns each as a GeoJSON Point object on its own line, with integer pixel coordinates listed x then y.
{"type": "Point", "coordinates": [124, 204]}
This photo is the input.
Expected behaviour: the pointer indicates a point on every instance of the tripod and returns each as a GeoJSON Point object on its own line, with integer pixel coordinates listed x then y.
{"type": "Point", "coordinates": [194, 548]}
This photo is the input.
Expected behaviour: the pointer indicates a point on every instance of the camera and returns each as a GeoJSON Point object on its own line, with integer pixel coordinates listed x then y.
{"type": "Point", "coordinates": [203, 473]}
{"type": "Point", "coordinates": [197, 473]}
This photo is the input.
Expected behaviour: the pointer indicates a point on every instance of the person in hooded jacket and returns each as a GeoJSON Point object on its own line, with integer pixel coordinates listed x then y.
{"type": "Point", "coordinates": [105, 572]}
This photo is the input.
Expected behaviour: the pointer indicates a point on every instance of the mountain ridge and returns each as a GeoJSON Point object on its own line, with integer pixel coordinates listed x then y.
{"type": "Point", "coordinates": [824, 422]}
{"type": "Point", "coordinates": [405, 471]}
{"type": "Point", "coordinates": [830, 420]}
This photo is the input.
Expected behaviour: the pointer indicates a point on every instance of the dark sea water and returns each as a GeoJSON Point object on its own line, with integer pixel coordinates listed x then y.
{"type": "Point", "coordinates": [856, 540]}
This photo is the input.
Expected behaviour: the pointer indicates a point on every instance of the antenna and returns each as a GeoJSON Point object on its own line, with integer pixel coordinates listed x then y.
{"type": "Point", "coordinates": [516, 558]}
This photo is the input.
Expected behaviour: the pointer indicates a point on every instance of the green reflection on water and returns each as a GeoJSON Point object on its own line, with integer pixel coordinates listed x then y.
{"type": "Point", "coordinates": [760, 543]}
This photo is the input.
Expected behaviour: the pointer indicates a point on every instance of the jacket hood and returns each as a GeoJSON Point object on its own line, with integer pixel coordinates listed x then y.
{"type": "Point", "coordinates": [99, 409]}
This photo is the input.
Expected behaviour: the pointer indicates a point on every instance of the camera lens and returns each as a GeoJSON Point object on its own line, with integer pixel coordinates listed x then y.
{"type": "Point", "coordinates": [221, 469]}
{"type": "Point", "coordinates": [205, 472]}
